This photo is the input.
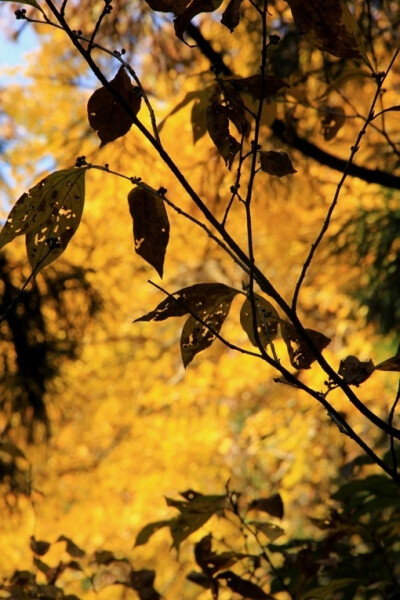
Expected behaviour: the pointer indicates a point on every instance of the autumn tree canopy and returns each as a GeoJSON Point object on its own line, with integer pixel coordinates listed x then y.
{"type": "Point", "coordinates": [236, 164]}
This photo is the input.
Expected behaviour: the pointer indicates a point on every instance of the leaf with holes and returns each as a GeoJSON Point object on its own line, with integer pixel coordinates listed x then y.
{"type": "Point", "coordinates": [194, 298]}
{"type": "Point", "coordinates": [330, 26]}
{"type": "Point", "coordinates": [267, 320]}
{"type": "Point", "coordinates": [150, 225]}
{"type": "Point", "coordinates": [110, 114]}
{"type": "Point", "coordinates": [48, 214]}
{"type": "Point", "coordinates": [197, 336]}
{"type": "Point", "coordinates": [300, 355]}
{"type": "Point", "coordinates": [276, 162]}
{"type": "Point", "coordinates": [354, 371]}
{"type": "Point", "coordinates": [218, 128]}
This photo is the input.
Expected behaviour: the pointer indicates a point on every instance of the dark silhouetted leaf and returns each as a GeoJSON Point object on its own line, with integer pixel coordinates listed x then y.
{"type": "Point", "coordinates": [245, 588]}
{"type": "Point", "coordinates": [103, 557]}
{"type": "Point", "coordinates": [200, 579]}
{"type": "Point", "coordinates": [252, 85]}
{"type": "Point", "coordinates": [195, 298]}
{"type": "Point", "coordinates": [272, 531]}
{"type": "Point", "coordinates": [273, 505]}
{"type": "Point", "coordinates": [193, 515]}
{"type": "Point", "coordinates": [329, 26]}
{"type": "Point", "coordinates": [72, 549]}
{"type": "Point", "coordinates": [267, 320]}
{"type": "Point", "coordinates": [173, 6]}
{"type": "Point", "coordinates": [142, 581]}
{"type": "Point", "coordinates": [212, 562]}
{"type": "Point", "coordinates": [107, 116]}
{"type": "Point", "coordinates": [28, 2]}
{"type": "Point", "coordinates": [11, 449]}
{"type": "Point", "coordinates": [354, 371]}
{"type": "Point", "coordinates": [333, 119]}
{"type": "Point", "coordinates": [148, 530]}
{"type": "Point", "coordinates": [231, 15]}
{"type": "Point", "coordinates": [276, 162]}
{"type": "Point", "coordinates": [38, 547]}
{"type": "Point", "coordinates": [197, 336]}
{"type": "Point", "coordinates": [390, 364]}
{"type": "Point", "coordinates": [193, 9]}
{"type": "Point", "coordinates": [218, 128]}
{"type": "Point", "coordinates": [150, 225]}
{"type": "Point", "coordinates": [42, 566]}
{"type": "Point", "coordinates": [49, 214]}
{"type": "Point", "coordinates": [301, 357]}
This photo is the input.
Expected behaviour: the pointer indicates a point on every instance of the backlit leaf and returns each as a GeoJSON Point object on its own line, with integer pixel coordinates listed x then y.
{"type": "Point", "coordinates": [39, 547]}
{"type": "Point", "coordinates": [272, 531]}
{"type": "Point", "coordinates": [150, 225]}
{"type": "Point", "coordinates": [333, 119]}
{"type": "Point", "coordinates": [28, 2]}
{"type": "Point", "coordinates": [247, 589]}
{"type": "Point", "coordinates": [252, 85]}
{"type": "Point", "coordinates": [276, 162]}
{"type": "Point", "coordinates": [11, 449]}
{"type": "Point", "coordinates": [195, 298]}
{"type": "Point", "coordinates": [72, 549]}
{"type": "Point", "coordinates": [193, 9]}
{"type": "Point", "coordinates": [329, 26]}
{"type": "Point", "coordinates": [301, 357]}
{"type": "Point", "coordinates": [49, 214]}
{"type": "Point", "coordinates": [197, 336]}
{"type": "Point", "coordinates": [267, 320]}
{"type": "Point", "coordinates": [231, 15]}
{"type": "Point", "coordinates": [106, 114]}
{"type": "Point", "coordinates": [273, 505]}
{"type": "Point", "coordinates": [148, 530]}
{"type": "Point", "coordinates": [174, 6]}
{"type": "Point", "coordinates": [218, 129]}
{"type": "Point", "coordinates": [354, 371]}
{"type": "Point", "coordinates": [390, 364]}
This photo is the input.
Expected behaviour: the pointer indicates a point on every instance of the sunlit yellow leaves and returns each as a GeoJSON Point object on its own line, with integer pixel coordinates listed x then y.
{"type": "Point", "coordinates": [111, 112]}
{"type": "Point", "coordinates": [150, 225]}
{"type": "Point", "coordinates": [49, 214]}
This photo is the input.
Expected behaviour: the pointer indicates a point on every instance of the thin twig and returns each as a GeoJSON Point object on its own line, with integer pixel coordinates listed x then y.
{"type": "Point", "coordinates": [390, 421]}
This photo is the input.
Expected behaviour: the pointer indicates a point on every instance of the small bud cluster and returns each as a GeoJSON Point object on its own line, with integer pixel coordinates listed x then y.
{"type": "Point", "coordinates": [162, 191]}
{"type": "Point", "coordinates": [81, 161]}
{"type": "Point", "coordinates": [108, 6]}
{"type": "Point", "coordinates": [20, 14]}
{"type": "Point", "coordinates": [274, 39]}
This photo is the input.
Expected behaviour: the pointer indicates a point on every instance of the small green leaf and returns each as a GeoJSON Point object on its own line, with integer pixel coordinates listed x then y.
{"type": "Point", "coordinates": [150, 225]}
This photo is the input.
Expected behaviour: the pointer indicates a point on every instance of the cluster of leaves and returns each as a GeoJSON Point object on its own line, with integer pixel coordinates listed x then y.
{"type": "Point", "coordinates": [46, 581]}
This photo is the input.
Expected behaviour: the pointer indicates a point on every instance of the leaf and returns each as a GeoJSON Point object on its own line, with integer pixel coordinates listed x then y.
{"type": "Point", "coordinates": [300, 355]}
{"type": "Point", "coordinates": [107, 116]}
{"type": "Point", "coordinates": [218, 128]}
{"type": "Point", "coordinates": [174, 6]}
{"type": "Point", "coordinates": [272, 531]}
{"type": "Point", "coordinates": [245, 588]}
{"type": "Point", "coordinates": [72, 549]}
{"type": "Point", "coordinates": [148, 530]}
{"type": "Point", "coordinates": [354, 371]}
{"type": "Point", "coordinates": [333, 119]}
{"type": "Point", "coordinates": [197, 336]}
{"type": "Point", "coordinates": [189, 97]}
{"type": "Point", "coordinates": [252, 85]}
{"type": "Point", "coordinates": [273, 505]}
{"type": "Point", "coordinates": [276, 162]}
{"type": "Point", "coordinates": [49, 214]}
{"type": "Point", "coordinates": [390, 364]}
{"type": "Point", "coordinates": [330, 27]}
{"type": "Point", "coordinates": [211, 562]}
{"type": "Point", "coordinates": [150, 225]}
{"type": "Point", "coordinates": [28, 2]}
{"type": "Point", "coordinates": [231, 15]}
{"type": "Point", "coordinates": [11, 449]}
{"type": "Point", "coordinates": [267, 320]}
{"type": "Point", "coordinates": [193, 515]}
{"type": "Point", "coordinates": [39, 547]}
{"type": "Point", "coordinates": [193, 9]}
{"type": "Point", "coordinates": [194, 298]}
